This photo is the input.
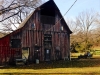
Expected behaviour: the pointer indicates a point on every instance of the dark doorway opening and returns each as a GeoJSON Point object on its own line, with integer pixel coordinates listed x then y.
{"type": "Point", "coordinates": [47, 54]}
{"type": "Point", "coordinates": [48, 15]}
{"type": "Point", "coordinates": [36, 53]}
{"type": "Point", "coordinates": [57, 55]}
{"type": "Point", "coordinates": [47, 46]}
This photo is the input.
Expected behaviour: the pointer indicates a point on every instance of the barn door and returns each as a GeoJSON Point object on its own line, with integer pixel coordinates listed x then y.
{"type": "Point", "coordinates": [25, 53]}
{"type": "Point", "coordinates": [47, 54]}
{"type": "Point", "coordinates": [36, 52]}
{"type": "Point", "coordinates": [47, 46]}
{"type": "Point", "coordinates": [57, 55]}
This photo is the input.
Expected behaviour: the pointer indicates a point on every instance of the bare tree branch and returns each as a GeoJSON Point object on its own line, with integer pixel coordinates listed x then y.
{"type": "Point", "coordinates": [85, 23]}
{"type": "Point", "coordinates": [16, 11]}
{"type": "Point", "coordinates": [9, 16]}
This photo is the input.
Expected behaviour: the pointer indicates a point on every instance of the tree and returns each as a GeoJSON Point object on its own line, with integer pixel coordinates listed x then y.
{"type": "Point", "coordinates": [72, 25]}
{"type": "Point", "coordinates": [86, 21]}
{"type": "Point", "coordinates": [98, 19]}
{"type": "Point", "coordinates": [86, 24]}
{"type": "Point", "coordinates": [12, 12]}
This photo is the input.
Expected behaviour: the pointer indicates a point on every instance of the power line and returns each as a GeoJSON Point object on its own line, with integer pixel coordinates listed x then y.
{"type": "Point", "coordinates": [65, 13]}
{"type": "Point", "coordinates": [70, 7]}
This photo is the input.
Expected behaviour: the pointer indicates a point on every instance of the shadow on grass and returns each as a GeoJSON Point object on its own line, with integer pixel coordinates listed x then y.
{"type": "Point", "coordinates": [59, 64]}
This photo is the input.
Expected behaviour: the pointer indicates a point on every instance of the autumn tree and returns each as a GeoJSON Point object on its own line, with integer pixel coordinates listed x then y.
{"type": "Point", "coordinates": [85, 24]}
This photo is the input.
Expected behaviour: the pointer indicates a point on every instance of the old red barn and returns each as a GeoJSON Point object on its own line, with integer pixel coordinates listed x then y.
{"type": "Point", "coordinates": [42, 35]}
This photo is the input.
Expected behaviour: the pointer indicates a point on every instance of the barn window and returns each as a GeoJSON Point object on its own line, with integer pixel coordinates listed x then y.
{"type": "Point", "coordinates": [46, 19]}
{"type": "Point", "coordinates": [33, 25]}
{"type": "Point", "coordinates": [47, 40]}
{"type": "Point", "coordinates": [61, 28]}
{"type": "Point", "coordinates": [15, 43]}
{"type": "Point", "coordinates": [48, 15]}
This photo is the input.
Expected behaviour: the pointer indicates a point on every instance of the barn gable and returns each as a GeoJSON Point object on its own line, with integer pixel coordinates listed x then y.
{"type": "Point", "coordinates": [48, 9]}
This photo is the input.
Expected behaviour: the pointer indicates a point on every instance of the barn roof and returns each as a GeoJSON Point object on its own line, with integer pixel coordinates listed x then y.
{"type": "Point", "coordinates": [3, 34]}
{"type": "Point", "coordinates": [50, 3]}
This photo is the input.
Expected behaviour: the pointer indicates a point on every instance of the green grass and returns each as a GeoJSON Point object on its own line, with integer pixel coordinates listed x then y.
{"type": "Point", "coordinates": [83, 66]}
{"type": "Point", "coordinates": [60, 64]}
{"type": "Point", "coordinates": [74, 67]}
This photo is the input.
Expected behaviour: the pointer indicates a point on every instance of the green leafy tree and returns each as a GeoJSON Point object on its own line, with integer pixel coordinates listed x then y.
{"type": "Point", "coordinates": [73, 46]}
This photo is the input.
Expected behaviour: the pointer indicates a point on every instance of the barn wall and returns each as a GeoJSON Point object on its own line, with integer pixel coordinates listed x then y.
{"type": "Point", "coordinates": [4, 46]}
{"type": "Point", "coordinates": [35, 36]}
{"type": "Point", "coordinates": [7, 53]}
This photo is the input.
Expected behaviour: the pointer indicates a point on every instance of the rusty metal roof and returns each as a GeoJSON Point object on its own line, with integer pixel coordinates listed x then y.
{"type": "Point", "coordinates": [2, 34]}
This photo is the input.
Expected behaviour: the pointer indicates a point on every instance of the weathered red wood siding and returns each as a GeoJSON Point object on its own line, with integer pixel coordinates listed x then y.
{"type": "Point", "coordinates": [34, 36]}
{"type": "Point", "coordinates": [4, 49]}
{"type": "Point", "coordinates": [6, 52]}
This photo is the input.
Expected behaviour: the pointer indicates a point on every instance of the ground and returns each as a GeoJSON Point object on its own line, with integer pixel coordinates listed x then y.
{"type": "Point", "coordinates": [74, 67]}
{"type": "Point", "coordinates": [85, 70]}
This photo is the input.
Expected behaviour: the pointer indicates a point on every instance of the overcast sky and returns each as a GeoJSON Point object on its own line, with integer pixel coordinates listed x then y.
{"type": "Point", "coordinates": [80, 6]}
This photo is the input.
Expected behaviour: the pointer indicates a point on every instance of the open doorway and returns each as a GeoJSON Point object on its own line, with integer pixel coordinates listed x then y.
{"type": "Point", "coordinates": [25, 53]}
{"type": "Point", "coordinates": [47, 46]}
{"type": "Point", "coordinates": [47, 53]}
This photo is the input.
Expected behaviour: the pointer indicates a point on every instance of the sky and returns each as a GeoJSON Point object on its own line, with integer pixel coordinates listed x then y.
{"type": "Point", "coordinates": [79, 6]}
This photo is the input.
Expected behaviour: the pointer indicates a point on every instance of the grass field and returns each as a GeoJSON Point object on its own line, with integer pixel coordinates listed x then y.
{"type": "Point", "coordinates": [84, 70]}
{"type": "Point", "coordinates": [74, 67]}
